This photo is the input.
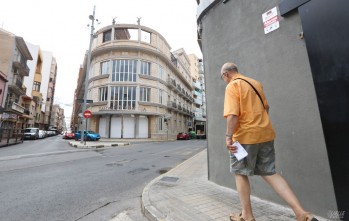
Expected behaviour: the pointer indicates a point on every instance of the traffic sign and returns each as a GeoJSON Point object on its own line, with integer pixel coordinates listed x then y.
{"type": "Point", "coordinates": [87, 114]}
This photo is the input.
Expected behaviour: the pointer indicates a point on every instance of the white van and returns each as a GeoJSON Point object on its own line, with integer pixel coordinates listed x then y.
{"type": "Point", "coordinates": [31, 133]}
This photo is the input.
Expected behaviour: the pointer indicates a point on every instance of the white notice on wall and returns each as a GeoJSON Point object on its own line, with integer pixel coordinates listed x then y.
{"type": "Point", "coordinates": [270, 20]}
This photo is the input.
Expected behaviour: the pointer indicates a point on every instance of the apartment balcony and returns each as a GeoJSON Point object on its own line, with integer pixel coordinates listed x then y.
{"type": "Point", "coordinates": [171, 83]}
{"type": "Point", "coordinates": [198, 101]}
{"type": "Point", "coordinates": [17, 87]}
{"type": "Point", "coordinates": [22, 67]}
{"type": "Point", "coordinates": [179, 88]}
{"type": "Point", "coordinates": [197, 85]}
{"type": "Point", "coordinates": [197, 93]}
{"type": "Point", "coordinates": [198, 110]}
{"type": "Point", "coordinates": [173, 104]}
{"type": "Point", "coordinates": [14, 108]}
{"type": "Point", "coordinates": [188, 97]}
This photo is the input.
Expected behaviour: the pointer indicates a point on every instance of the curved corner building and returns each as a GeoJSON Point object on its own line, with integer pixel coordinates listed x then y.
{"type": "Point", "coordinates": [138, 87]}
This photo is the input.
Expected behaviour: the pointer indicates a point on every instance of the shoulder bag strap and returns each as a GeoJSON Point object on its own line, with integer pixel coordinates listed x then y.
{"type": "Point", "coordinates": [253, 89]}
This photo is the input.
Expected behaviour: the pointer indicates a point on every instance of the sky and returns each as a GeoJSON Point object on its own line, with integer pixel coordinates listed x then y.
{"type": "Point", "coordinates": [60, 26]}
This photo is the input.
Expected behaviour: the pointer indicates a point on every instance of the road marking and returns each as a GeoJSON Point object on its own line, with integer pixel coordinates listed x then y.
{"type": "Point", "coordinates": [122, 217]}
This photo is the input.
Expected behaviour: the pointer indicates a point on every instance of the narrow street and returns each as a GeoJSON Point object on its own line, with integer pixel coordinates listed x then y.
{"type": "Point", "coordinates": [49, 180]}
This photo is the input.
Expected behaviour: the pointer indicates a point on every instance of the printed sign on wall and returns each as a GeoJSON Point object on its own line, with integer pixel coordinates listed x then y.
{"type": "Point", "coordinates": [270, 20]}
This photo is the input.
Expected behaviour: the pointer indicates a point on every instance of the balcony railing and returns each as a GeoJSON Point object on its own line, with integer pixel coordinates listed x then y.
{"type": "Point", "coordinates": [172, 104]}
{"type": "Point", "coordinates": [22, 67]}
{"type": "Point", "coordinates": [172, 83]}
{"type": "Point", "coordinates": [19, 83]}
{"type": "Point", "coordinates": [197, 85]}
{"type": "Point", "coordinates": [15, 107]}
{"type": "Point", "coordinates": [198, 101]}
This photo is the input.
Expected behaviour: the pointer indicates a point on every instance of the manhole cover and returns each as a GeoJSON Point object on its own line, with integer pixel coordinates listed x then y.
{"type": "Point", "coordinates": [169, 179]}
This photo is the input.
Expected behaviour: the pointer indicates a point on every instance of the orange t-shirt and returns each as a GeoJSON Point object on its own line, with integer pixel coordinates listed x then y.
{"type": "Point", "coordinates": [254, 125]}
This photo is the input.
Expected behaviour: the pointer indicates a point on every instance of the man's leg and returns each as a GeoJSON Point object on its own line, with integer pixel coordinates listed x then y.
{"type": "Point", "coordinates": [243, 188]}
{"type": "Point", "coordinates": [281, 187]}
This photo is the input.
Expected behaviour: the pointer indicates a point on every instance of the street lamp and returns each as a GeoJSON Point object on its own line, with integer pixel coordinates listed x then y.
{"type": "Point", "coordinates": [92, 18]}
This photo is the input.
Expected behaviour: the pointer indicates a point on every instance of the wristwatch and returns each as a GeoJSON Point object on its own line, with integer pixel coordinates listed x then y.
{"type": "Point", "coordinates": [229, 135]}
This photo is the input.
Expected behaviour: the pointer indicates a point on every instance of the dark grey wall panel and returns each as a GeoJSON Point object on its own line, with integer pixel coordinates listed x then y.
{"type": "Point", "coordinates": [326, 30]}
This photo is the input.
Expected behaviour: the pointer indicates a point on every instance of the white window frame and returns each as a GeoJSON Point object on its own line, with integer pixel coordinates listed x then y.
{"type": "Point", "coordinates": [161, 123]}
{"type": "Point", "coordinates": [104, 67]}
{"type": "Point", "coordinates": [161, 72]}
{"type": "Point", "coordinates": [103, 94]}
{"type": "Point", "coordinates": [124, 69]}
{"type": "Point", "coordinates": [144, 94]}
{"type": "Point", "coordinates": [145, 68]}
{"type": "Point", "coordinates": [160, 96]}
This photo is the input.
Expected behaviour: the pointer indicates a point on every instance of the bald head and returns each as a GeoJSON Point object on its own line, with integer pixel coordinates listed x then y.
{"type": "Point", "coordinates": [229, 67]}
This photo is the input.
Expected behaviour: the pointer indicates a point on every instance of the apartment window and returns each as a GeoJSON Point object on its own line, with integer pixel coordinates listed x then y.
{"type": "Point", "coordinates": [36, 86]}
{"type": "Point", "coordinates": [50, 79]}
{"type": "Point", "coordinates": [126, 34]}
{"type": "Point", "coordinates": [160, 96]}
{"type": "Point", "coordinates": [145, 36]}
{"type": "Point", "coordinates": [161, 72]}
{"type": "Point", "coordinates": [124, 70]}
{"type": "Point", "coordinates": [105, 67]}
{"type": "Point", "coordinates": [145, 68]}
{"type": "Point", "coordinates": [107, 35]}
{"type": "Point", "coordinates": [161, 123]}
{"type": "Point", "coordinates": [144, 94]}
{"type": "Point", "coordinates": [103, 94]}
{"type": "Point", "coordinates": [123, 97]}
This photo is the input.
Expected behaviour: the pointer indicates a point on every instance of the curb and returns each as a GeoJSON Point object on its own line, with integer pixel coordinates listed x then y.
{"type": "Point", "coordinates": [150, 211]}
{"type": "Point", "coordinates": [98, 145]}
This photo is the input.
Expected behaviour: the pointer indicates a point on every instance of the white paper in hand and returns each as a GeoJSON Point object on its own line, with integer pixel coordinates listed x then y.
{"type": "Point", "coordinates": [241, 152]}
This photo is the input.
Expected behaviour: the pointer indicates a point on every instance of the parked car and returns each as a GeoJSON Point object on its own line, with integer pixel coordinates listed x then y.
{"type": "Point", "coordinates": [192, 134]}
{"type": "Point", "coordinates": [183, 136]}
{"type": "Point", "coordinates": [69, 135]}
{"type": "Point", "coordinates": [52, 132]}
{"type": "Point", "coordinates": [88, 135]}
{"type": "Point", "coordinates": [42, 134]}
{"type": "Point", "coordinates": [31, 133]}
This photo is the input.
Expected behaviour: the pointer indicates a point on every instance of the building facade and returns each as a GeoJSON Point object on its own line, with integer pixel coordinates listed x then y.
{"type": "Point", "coordinates": [27, 83]}
{"type": "Point", "coordinates": [138, 87]}
{"type": "Point", "coordinates": [302, 64]}
{"type": "Point", "coordinates": [199, 104]}
{"type": "Point", "coordinates": [3, 82]}
{"type": "Point", "coordinates": [57, 118]}
{"type": "Point", "coordinates": [41, 84]}
{"type": "Point", "coordinates": [13, 65]}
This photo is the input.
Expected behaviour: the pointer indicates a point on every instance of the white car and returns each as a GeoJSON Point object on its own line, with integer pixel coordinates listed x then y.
{"type": "Point", "coordinates": [42, 134]}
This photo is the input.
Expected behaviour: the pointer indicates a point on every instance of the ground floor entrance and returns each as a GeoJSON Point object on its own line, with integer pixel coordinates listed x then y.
{"type": "Point", "coordinates": [124, 126]}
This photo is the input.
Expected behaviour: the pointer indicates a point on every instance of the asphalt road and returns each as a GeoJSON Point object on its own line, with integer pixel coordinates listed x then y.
{"type": "Point", "coordinates": [47, 180]}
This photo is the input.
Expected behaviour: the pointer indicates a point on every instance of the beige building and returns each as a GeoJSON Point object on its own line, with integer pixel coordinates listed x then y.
{"type": "Point", "coordinates": [13, 65]}
{"type": "Point", "coordinates": [199, 93]}
{"type": "Point", "coordinates": [40, 86]}
{"type": "Point", "coordinates": [138, 87]}
{"type": "Point", "coordinates": [50, 93]}
{"type": "Point", "coordinates": [57, 118]}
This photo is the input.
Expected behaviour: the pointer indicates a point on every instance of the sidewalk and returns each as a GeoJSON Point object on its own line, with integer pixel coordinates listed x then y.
{"type": "Point", "coordinates": [185, 194]}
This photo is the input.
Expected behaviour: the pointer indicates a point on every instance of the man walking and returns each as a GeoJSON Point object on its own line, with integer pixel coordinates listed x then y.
{"type": "Point", "coordinates": [246, 110]}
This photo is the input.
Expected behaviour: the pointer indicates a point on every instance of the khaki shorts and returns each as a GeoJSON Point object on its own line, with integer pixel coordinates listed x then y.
{"type": "Point", "coordinates": [260, 160]}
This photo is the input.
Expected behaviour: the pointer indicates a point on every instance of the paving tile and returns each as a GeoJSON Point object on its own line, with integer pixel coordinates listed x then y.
{"type": "Point", "coordinates": [195, 198]}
